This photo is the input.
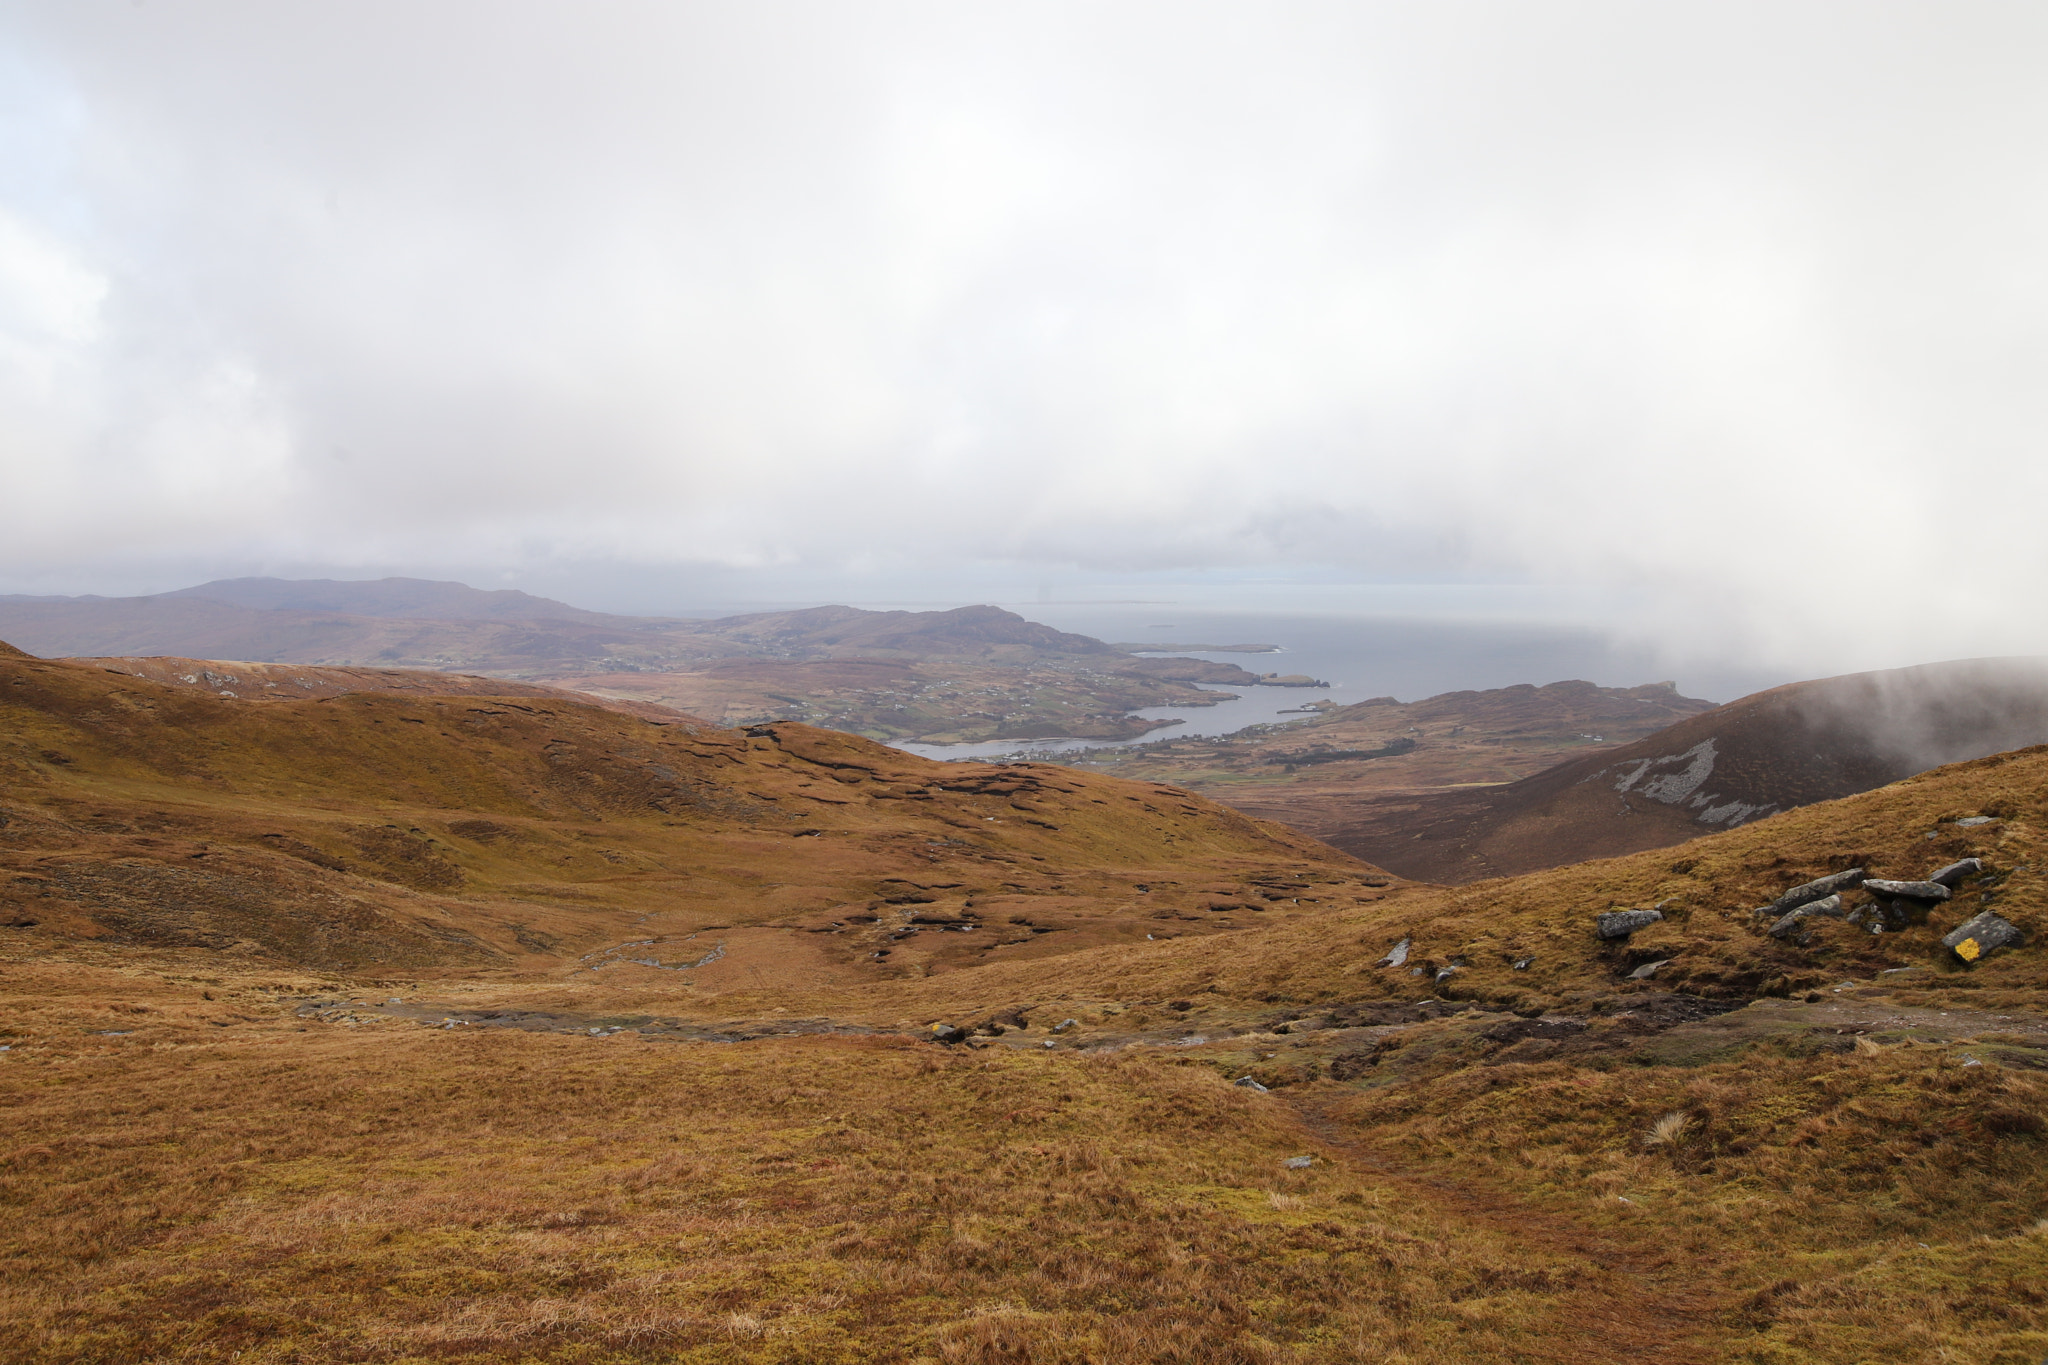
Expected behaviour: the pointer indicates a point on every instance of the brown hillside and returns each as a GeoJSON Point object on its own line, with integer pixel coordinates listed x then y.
{"type": "Point", "coordinates": [1776, 750]}
{"type": "Point", "coordinates": [242, 681]}
{"type": "Point", "coordinates": [374, 1029]}
{"type": "Point", "coordinates": [542, 833]}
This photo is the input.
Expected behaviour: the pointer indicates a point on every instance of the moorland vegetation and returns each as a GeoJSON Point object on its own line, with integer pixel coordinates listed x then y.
{"type": "Point", "coordinates": [417, 1026]}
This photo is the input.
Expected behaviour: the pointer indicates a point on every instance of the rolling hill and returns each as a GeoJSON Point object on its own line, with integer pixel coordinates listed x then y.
{"type": "Point", "coordinates": [462, 827]}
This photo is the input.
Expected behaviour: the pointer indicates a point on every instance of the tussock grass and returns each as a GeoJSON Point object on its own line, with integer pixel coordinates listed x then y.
{"type": "Point", "coordinates": [404, 1196]}
{"type": "Point", "coordinates": [1668, 1131]}
{"type": "Point", "coordinates": [1830, 1200]}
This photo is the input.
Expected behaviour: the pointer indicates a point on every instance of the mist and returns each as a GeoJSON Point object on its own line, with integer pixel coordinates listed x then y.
{"type": "Point", "coordinates": [1716, 327]}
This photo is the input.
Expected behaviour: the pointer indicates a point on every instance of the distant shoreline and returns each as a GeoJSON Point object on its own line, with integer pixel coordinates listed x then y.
{"type": "Point", "coordinates": [1133, 647]}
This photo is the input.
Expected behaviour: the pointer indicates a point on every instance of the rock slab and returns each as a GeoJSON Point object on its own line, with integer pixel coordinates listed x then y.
{"type": "Point", "coordinates": [1818, 889]}
{"type": "Point", "coordinates": [1976, 938]}
{"type": "Point", "coordinates": [1621, 923]}
{"type": "Point", "coordinates": [1908, 891]}
{"type": "Point", "coordinates": [1830, 906]}
{"type": "Point", "coordinates": [1956, 873]}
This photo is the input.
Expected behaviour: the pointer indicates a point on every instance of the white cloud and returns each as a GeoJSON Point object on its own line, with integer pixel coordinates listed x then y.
{"type": "Point", "coordinates": [1739, 308]}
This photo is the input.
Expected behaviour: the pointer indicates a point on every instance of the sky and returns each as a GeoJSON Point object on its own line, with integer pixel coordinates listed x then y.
{"type": "Point", "coordinates": [1720, 326]}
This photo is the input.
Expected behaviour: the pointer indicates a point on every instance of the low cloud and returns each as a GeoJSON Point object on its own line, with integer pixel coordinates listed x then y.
{"type": "Point", "coordinates": [1735, 310]}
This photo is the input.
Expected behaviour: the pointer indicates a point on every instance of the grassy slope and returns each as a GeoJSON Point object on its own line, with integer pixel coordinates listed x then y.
{"type": "Point", "coordinates": [390, 832]}
{"type": "Point", "coordinates": [195, 1170]}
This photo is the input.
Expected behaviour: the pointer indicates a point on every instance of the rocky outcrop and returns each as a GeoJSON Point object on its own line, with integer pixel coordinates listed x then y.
{"type": "Point", "coordinates": [1818, 889]}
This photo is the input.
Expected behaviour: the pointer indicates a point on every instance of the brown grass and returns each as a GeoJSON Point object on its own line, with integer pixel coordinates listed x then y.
{"type": "Point", "coordinates": [190, 1171]}
{"type": "Point", "coordinates": [405, 1195]}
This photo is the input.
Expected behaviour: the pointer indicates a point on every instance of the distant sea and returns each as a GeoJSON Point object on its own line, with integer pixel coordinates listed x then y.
{"type": "Point", "coordinates": [1407, 658]}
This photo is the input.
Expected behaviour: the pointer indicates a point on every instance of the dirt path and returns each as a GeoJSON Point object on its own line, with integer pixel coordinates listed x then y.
{"type": "Point", "coordinates": [1642, 1304]}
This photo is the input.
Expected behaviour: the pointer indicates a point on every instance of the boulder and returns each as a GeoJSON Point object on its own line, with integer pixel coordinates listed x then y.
{"type": "Point", "coordinates": [1906, 891]}
{"type": "Point", "coordinates": [1955, 874]}
{"type": "Point", "coordinates": [1621, 923]}
{"type": "Point", "coordinates": [1396, 955]}
{"type": "Point", "coordinates": [1980, 936]}
{"type": "Point", "coordinates": [1831, 906]}
{"type": "Point", "coordinates": [948, 1033]}
{"type": "Point", "coordinates": [1299, 1163]}
{"type": "Point", "coordinates": [1066, 1025]}
{"type": "Point", "coordinates": [1249, 1084]}
{"type": "Point", "coordinates": [1648, 970]}
{"type": "Point", "coordinates": [1972, 821]}
{"type": "Point", "coordinates": [1820, 888]}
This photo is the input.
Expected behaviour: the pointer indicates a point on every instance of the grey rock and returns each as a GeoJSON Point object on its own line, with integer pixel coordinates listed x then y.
{"type": "Point", "coordinates": [1066, 1024]}
{"type": "Point", "coordinates": [1621, 923]}
{"type": "Point", "coordinates": [1648, 970]}
{"type": "Point", "coordinates": [1957, 873]}
{"type": "Point", "coordinates": [1522, 963]}
{"type": "Point", "coordinates": [1818, 889]}
{"type": "Point", "coordinates": [1831, 906]}
{"type": "Point", "coordinates": [1911, 891]}
{"type": "Point", "coordinates": [1299, 1163]}
{"type": "Point", "coordinates": [1980, 936]}
{"type": "Point", "coordinates": [1970, 821]}
{"type": "Point", "coordinates": [948, 1033]}
{"type": "Point", "coordinates": [1249, 1084]}
{"type": "Point", "coordinates": [1447, 973]}
{"type": "Point", "coordinates": [1396, 956]}
{"type": "Point", "coordinates": [1896, 914]}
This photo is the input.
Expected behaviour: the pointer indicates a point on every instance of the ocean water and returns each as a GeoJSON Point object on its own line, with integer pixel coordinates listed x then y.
{"type": "Point", "coordinates": [1404, 657]}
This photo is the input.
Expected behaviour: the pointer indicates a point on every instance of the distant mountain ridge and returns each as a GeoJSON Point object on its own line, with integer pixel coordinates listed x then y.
{"type": "Point", "coordinates": [405, 598]}
{"type": "Point", "coordinates": [843, 632]}
{"type": "Point", "coordinates": [420, 623]}
{"type": "Point", "coordinates": [975, 672]}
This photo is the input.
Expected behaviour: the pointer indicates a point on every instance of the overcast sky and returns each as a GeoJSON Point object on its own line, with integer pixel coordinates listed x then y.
{"type": "Point", "coordinates": [1729, 317]}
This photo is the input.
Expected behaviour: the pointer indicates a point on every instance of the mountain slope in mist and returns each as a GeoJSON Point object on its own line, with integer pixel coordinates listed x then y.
{"type": "Point", "coordinates": [1312, 774]}
{"type": "Point", "coordinates": [1786, 747]}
